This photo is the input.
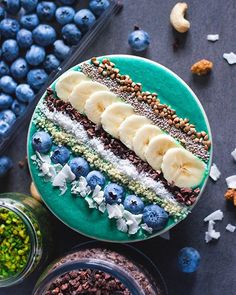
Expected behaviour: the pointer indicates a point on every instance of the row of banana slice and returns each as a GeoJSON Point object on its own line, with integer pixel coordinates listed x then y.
{"type": "Point", "coordinates": [118, 118]}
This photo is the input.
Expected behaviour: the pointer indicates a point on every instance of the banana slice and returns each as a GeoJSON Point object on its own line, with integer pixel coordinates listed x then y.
{"type": "Point", "coordinates": [82, 92]}
{"type": "Point", "coordinates": [157, 148]}
{"type": "Point", "coordinates": [96, 104]}
{"type": "Point", "coordinates": [182, 168]}
{"type": "Point", "coordinates": [67, 82]}
{"type": "Point", "coordinates": [129, 127]}
{"type": "Point", "coordinates": [114, 115]}
{"type": "Point", "coordinates": [143, 137]}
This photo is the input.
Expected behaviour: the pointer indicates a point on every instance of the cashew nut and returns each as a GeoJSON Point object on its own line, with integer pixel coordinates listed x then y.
{"type": "Point", "coordinates": [177, 17]}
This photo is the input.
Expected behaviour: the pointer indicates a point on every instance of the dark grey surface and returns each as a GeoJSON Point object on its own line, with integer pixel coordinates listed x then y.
{"type": "Point", "coordinates": [216, 275]}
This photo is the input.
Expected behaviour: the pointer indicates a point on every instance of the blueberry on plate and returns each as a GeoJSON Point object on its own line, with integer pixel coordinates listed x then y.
{"type": "Point", "coordinates": [188, 259]}
{"type": "Point", "coordinates": [133, 204]}
{"type": "Point", "coordinates": [98, 6]}
{"type": "Point", "coordinates": [44, 35]}
{"type": "Point", "coordinates": [67, 2]}
{"type": "Point", "coordinates": [8, 85]}
{"type": "Point", "coordinates": [5, 101]}
{"type": "Point", "coordinates": [36, 78]}
{"type": "Point", "coordinates": [60, 155]}
{"type": "Point", "coordinates": [18, 107]}
{"type": "Point", "coordinates": [155, 217]}
{"type": "Point", "coordinates": [61, 50]}
{"type": "Point", "coordinates": [41, 142]}
{"type": "Point", "coordinates": [8, 116]}
{"type": "Point", "coordinates": [114, 194]}
{"type": "Point", "coordinates": [9, 28]}
{"type": "Point", "coordinates": [139, 40]}
{"type": "Point", "coordinates": [46, 10]}
{"type": "Point", "coordinates": [4, 128]}
{"type": "Point", "coordinates": [29, 5]}
{"type": "Point", "coordinates": [35, 55]}
{"type": "Point", "coordinates": [4, 68]}
{"type": "Point", "coordinates": [71, 34]}
{"type": "Point", "coordinates": [12, 6]}
{"type": "Point", "coordinates": [79, 166]}
{"type": "Point", "coordinates": [29, 21]}
{"type": "Point", "coordinates": [24, 93]}
{"type": "Point", "coordinates": [10, 50]}
{"type": "Point", "coordinates": [65, 15]}
{"type": "Point", "coordinates": [95, 178]}
{"type": "Point", "coordinates": [19, 68]}
{"type": "Point", "coordinates": [24, 38]}
{"type": "Point", "coordinates": [2, 13]}
{"type": "Point", "coordinates": [84, 19]}
{"type": "Point", "coordinates": [51, 63]}
{"type": "Point", "coordinates": [5, 165]}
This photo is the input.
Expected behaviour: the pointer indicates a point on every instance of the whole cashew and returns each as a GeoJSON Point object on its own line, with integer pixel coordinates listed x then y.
{"type": "Point", "coordinates": [177, 17]}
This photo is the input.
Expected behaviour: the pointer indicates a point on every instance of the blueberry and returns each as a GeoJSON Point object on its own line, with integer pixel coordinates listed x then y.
{"type": "Point", "coordinates": [19, 68]}
{"type": "Point", "coordinates": [51, 63]}
{"type": "Point", "coordinates": [4, 128]}
{"type": "Point", "coordinates": [84, 19]}
{"type": "Point", "coordinates": [42, 142]}
{"type": "Point", "coordinates": [29, 21]}
{"type": "Point", "coordinates": [71, 34]}
{"type": "Point", "coordinates": [67, 2]}
{"type": "Point", "coordinates": [12, 6]}
{"type": "Point", "coordinates": [36, 78]}
{"type": "Point", "coordinates": [4, 69]}
{"type": "Point", "coordinates": [5, 165]}
{"type": "Point", "coordinates": [10, 50]}
{"type": "Point", "coordinates": [134, 204]}
{"type": "Point", "coordinates": [65, 15]}
{"type": "Point", "coordinates": [2, 13]}
{"type": "Point", "coordinates": [155, 217]}
{"type": "Point", "coordinates": [18, 108]}
{"type": "Point", "coordinates": [29, 5]}
{"type": "Point", "coordinates": [46, 10]}
{"type": "Point", "coordinates": [60, 155]}
{"type": "Point", "coordinates": [188, 259]}
{"type": "Point", "coordinates": [79, 166]}
{"type": "Point", "coordinates": [24, 93]}
{"type": "Point", "coordinates": [5, 101]}
{"type": "Point", "coordinates": [114, 193]}
{"type": "Point", "coordinates": [35, 55]}
{"type": "Point", "coordinates": [98, 6]}
{"type": "Point", "coordinates": [139, 40]}
{"type": "Point", "coordinates": [61, 50]}
{"type": "Point", "coordinates": [7, 84]}
{"type": "Point", "coordinates": [8, 116]}
{"type": "Point", "coordinates": [24, 38]}
{"type": "Point", "coordinates": [44, 35]}
{"type": "Point", "coordinates": [95, 178]}
{"type": "Point", "coordinates": [9, 27]}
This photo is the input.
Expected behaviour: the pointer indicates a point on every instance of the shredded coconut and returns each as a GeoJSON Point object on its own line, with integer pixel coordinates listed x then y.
{"type": "Point", "coordinates": [231, 181]}
{"type": "Point", "coordinates": [213, 37]}
{"type": "Point", "coordinates": [231, 228]}
{"type": "Point", "coordinates": [216, 215]}
{"type": "Point", "coordinates": [230, 57]}
{"type": "Point", "coordinates": [215, 172]}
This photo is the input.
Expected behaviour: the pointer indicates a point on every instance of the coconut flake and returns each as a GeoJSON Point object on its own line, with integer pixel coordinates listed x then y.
{"type": "Point", "coordinates": [215, 172]}
{"type": "Point", "coordinates": [213, 37]}
{"type": "Point", "coordinates": [216, 215]}
{"type": "Point", "coordinates": [121, 225]}
{"type": "Point", "coordinates": [33, 158]}
{"type": "Point", "coordinates": [98, 195]}
{"type": "Point", "coordinates": [233, 154]}
{"type": "Point", "coordinates": [211, 233]}
{"type": "Point", "coordinates": [133, 221]}
{"type": "Point", "coordinates": [146, 228]}
{"type": "Point", "coordinates": [102, 207]}
{"type": "Point", "coordinates": [115, 211]}
{"type": "Point", "coordinates": [231, 228]}
{"type": "Point", "coordinates": [90, 202]}
{"type": "Point", "coordinates": [231, 181]}
{"type": "Point", "coordinates": [230, 57]}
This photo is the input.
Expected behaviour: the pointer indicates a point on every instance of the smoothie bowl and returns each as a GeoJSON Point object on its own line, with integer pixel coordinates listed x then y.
{"type": "Point", "coordinates": [119, 148]}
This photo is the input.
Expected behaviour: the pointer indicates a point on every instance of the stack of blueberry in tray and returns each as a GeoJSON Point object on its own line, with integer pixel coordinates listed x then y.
{"type": "Point", "coordinates": [36, 36]}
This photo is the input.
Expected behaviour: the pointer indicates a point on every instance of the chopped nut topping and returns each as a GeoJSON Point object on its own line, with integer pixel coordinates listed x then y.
{"type": "Point", "coordinates": [202, 67]}
{"type": "Point", "coordinates": [231, 195]}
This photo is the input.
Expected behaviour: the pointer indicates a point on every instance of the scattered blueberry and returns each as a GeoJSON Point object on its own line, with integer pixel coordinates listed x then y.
{"type": "Point", "coordinates": [114, 194]}
{"type": "Point", "coordinates": [133, 204]}
{"type": "Point", "coordinates": [12, 6]}
{"type": "Point", "coordinates": [44, 35]}
{"type": "Point", "coordinates": [29, 5]}
{"type": "Point", "coordinates": [24, 93]}
{"type": "Point", "coordinates": [98, 6]}
{"type": "Point", "coordinates": [2, 13]}
{"type": "Point", "coordinates": [79, 167]}
{"type": "Point", "coordinates": [4, 128]}
{"type": "Point", "coordinates": [71, 34]}
{"type": "Point", "coordinates": [7, 84]}
{"type": "Point", "coordinates": [35, 55]}
{"type": "Point", "coordinates": [139, 40]}
{"type": "Point", "coordinates": [64, 15]}
{"type": "Point", "coordinates": [155, 217]}
{"type": "Point", "coordinates": [51, 63]}
{"type": "Point", "coordinates": [19, 68]}
{"type": "Point", "coordinates": [61, 50]}
{"type": "Point", "coordinates": [5, 101]}
{"type": "Point", "coordinates": [4, 69]}
{"type": "Point", "coordinates": [5, 165]}
{"type": "Point", "coordinates": [9, 27]}
{"type": "Point", "coordinates": [41, 142]}
{"type": "Point", "coordinates": [29, 21]}
{"type": "Point", "coordinates": [60, 155]}
{"type": "Point", "coordinates": [95, 178]}
{"type": "Point", "coordinates": [46, 10]}
{"type": "Point", "coordinates": [188, 259]}
{"type": "Point", "coordinates": [84, 19]}
{"type": "Point", "coordinates": [67, 2]}
{"type": "Point", "coordinates": [10, 50]}
{"type": "Point", "coordinates": [36, 78]}
{"type": "Point", "coordinates": [24, 38]}
{"type": "Point", "coordinates": [8, 116]}
{"type": "Point", "coordinates": [18, 108]}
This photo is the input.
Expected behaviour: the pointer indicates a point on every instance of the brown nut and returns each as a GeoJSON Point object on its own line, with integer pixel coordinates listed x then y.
{"type": "Point", "coordinates": [202, 67]}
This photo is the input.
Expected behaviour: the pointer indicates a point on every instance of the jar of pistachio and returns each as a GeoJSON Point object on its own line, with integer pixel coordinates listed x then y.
{"type": "Point", "coordinates": [25, 238]}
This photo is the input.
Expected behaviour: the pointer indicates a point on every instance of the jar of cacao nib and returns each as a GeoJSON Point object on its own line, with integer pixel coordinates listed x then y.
{"type": "Point", "coordinates": [25, 237]}
{"type": "Point", "coordinates": [96, 268]}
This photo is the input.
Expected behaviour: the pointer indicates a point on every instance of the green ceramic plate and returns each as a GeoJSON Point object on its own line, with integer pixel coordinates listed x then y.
{"type": "Point", "coordinates": [172, 90]}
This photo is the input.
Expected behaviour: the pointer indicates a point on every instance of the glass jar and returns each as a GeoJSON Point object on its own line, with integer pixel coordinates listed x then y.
{"type": "Point", "coordinates": [26, 224]}
{"type": "Point", "coordinates": [97, 267]}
